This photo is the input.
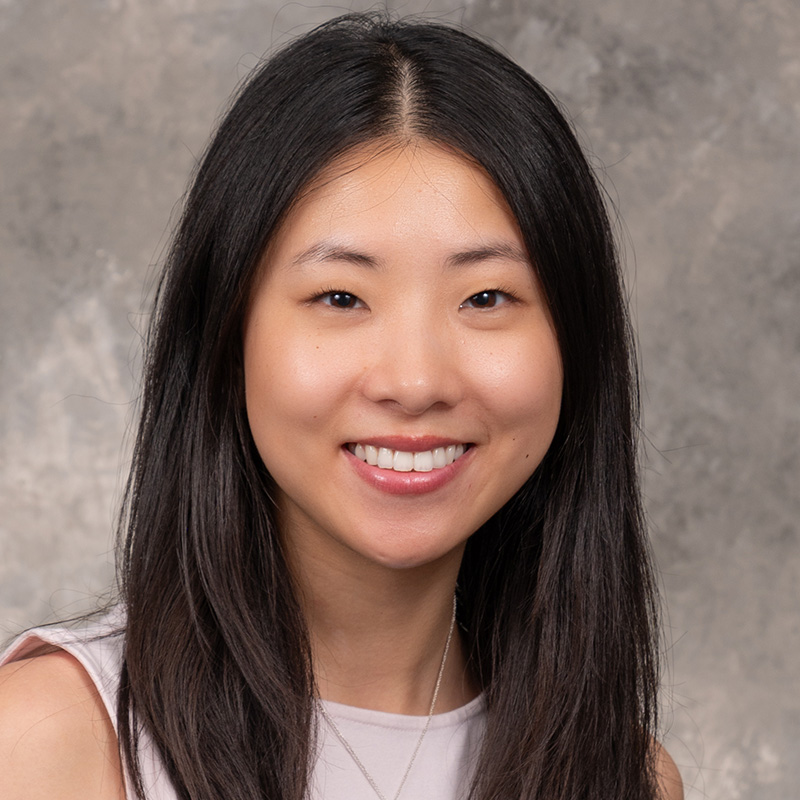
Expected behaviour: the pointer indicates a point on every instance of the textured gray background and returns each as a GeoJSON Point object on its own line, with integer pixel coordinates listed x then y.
{"type": "Point", "coordinates": [692, 106]}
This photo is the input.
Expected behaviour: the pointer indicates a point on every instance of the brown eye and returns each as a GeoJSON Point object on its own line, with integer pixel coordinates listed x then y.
{"type": "Point", "coordinates": [486, 299]}
{"type": "Point", "coordinates": [343, 300]}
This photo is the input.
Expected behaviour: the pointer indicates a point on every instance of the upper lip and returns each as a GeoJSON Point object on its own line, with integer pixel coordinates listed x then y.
{"type": "Point", "coordinates": [409, 444]}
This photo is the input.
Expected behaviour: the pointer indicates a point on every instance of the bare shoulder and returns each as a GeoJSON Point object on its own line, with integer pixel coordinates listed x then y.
{"type": "Point", "coordinates": [670, 782]}
{"type": "Point", "coordinates": [56, 739]}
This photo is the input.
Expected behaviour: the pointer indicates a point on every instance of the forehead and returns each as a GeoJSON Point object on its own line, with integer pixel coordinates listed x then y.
{"type": "Point", "coordinates": [386, 193]}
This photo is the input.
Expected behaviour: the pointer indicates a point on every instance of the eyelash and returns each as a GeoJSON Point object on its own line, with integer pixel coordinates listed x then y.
{"type": "Point", "coordinates": [328, 293]}
{"type": "Point", "coordinates": [325, 294]}
{"type": "Point", "coordinates": [507, 294]}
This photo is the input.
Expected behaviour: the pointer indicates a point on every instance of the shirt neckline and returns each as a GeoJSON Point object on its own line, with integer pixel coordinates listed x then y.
{"type": "Point", "coordinates": [388, 719]}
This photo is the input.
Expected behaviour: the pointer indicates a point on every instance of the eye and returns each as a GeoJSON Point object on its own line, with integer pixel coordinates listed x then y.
{"type": "Point", "coordinates": [339, 299]}
{"type": "Point", "coordinates": [489, 298]}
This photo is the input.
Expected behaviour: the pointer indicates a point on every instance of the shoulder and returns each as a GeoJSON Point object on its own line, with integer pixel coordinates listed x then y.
{"type": "Point", "coordinates": [56, 739]}
{"type": "Point", "coordinates": [670, 783]}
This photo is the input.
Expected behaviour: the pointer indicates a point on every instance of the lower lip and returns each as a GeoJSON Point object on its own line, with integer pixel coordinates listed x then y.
{"type": "Point", "coordinates": [391, 482]}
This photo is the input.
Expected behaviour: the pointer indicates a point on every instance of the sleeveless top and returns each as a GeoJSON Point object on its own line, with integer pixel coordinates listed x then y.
{"type": "Point", "coordinates": [384, 742]}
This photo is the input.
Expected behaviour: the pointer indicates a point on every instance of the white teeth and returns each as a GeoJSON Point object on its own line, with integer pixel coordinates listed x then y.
{"type": "Point", "coordinates": [403, 461]}
{"type": "Point", "coordinates": [423, 462]}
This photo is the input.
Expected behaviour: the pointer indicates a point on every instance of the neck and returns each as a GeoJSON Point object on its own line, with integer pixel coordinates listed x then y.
{"type": "Point", "coordinates": [378, 636]}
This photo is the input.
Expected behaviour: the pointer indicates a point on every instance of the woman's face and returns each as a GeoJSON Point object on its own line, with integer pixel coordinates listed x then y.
{"type": "Point", "coordinates": [398, 319]}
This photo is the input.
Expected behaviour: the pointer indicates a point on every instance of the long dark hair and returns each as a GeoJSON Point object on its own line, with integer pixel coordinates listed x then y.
{"type": "Point", "coordinates": [556, 594]}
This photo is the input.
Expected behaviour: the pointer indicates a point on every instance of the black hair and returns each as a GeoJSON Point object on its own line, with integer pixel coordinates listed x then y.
{"type": "Point", "coordinates": [556, 595]}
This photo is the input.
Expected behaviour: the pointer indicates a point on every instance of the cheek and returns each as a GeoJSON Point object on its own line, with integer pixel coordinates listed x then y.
{"type": "Point", "coordinates": [523, 385]}
{"type": "Point", "coordinates": [292, 382]}
{"type": "Point", "coordinates": [277, 383]}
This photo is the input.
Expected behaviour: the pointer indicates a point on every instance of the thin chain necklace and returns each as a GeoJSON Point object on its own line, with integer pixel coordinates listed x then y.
{"type": "Point", "coordinates": [359, 762]}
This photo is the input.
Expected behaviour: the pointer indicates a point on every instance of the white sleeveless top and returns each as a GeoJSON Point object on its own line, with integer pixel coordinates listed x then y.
{"type": "Point", "coordinates": [384, 742]}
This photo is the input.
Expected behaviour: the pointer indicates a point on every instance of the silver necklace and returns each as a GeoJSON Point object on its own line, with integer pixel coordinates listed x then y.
{"type": "Point", "coordinates": [352, 752]}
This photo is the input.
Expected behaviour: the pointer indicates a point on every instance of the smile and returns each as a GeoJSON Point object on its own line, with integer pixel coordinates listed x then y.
{"type": "Point", "coordinates": [403, 461]}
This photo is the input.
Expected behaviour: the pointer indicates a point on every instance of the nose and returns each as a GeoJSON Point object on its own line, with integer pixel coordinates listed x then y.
{"type": "Point", "coordinates": [413, 367]}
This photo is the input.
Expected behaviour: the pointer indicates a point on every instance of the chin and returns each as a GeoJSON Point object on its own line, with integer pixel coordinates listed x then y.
{"type": "Point", "coordinates": [404, 557]}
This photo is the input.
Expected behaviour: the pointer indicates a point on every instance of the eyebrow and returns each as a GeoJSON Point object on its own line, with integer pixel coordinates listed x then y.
{"type": "Point", "coordinates": [326, 251]}
{"type": "Point", "coordinates": [498, 250]}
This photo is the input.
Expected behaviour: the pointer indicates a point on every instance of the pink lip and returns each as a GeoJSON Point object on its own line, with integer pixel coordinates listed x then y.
{"type": "Point", "coordinates": [409, 444]}
{"type": "Point", "coordinates": [392, 482]}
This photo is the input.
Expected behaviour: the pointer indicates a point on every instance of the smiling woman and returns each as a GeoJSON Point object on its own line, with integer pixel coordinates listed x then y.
{"type": "Point", "coordinates": [383, 533]}
{"type": "Point", "coordinates": [414, 351]}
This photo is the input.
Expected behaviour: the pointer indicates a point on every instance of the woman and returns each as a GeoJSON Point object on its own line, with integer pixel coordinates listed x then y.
{"type": "Point", "coordinates": [383, 532]}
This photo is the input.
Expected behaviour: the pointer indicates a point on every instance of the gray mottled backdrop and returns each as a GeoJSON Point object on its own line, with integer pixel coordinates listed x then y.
{"type": "Point", "coordinates": [692, 107]}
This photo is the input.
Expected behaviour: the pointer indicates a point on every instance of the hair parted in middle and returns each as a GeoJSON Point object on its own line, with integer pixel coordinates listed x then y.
{"type": "Point", "coordinates": [556, 597]}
